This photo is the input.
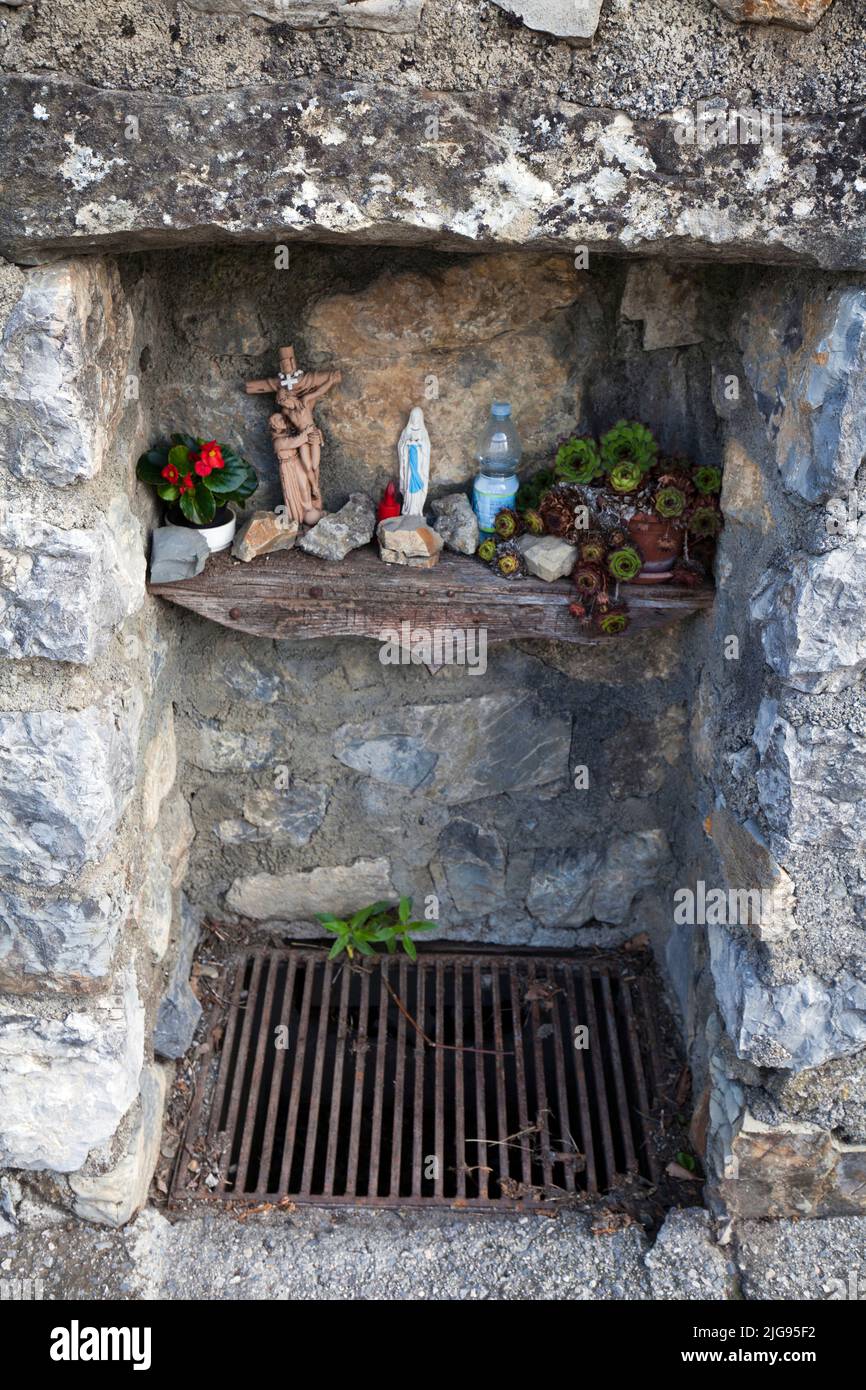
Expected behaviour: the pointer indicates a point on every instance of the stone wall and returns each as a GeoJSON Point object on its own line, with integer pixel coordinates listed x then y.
{"type": "Point", "coordinates": [94, 833]}
{"type": "Point", "coordinates": [392, 134]}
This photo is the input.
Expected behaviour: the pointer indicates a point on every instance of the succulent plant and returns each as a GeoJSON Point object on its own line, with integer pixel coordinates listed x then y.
{"type": "Point", "coordinates": [558, 509]}
{"type": "Point", "coordinates": [628, 441]}
{"type": "Point", "coordinates": [592, 548]}
{"type": "Point", "coordinates": [507, 524]}
{"type": "Point", "coordinates": [531, 491]}
{"type": "Point", "coordinates": [612, 619]}
{"type": "Point", "coordinates": [624, 563]}
{"type": "Point", "coordinates": [578, 461]}
{"type": "Point", "coordinates": [670, 501]}
{"type": "Point", "coordinates": [577, 610]}
{"type": "Point", "coordinates": [705, 522]}
{"type": "Point", "coordinates": [508, 561]}
{"type": "Point", "coordinates": [707, 480]}
{"type": "Point", "coordinates": [533, 522]}
{"type": "Point", "coordinates": [626, 476]}
{"type": "Point", "coordinates": [487, 550]}
{"type": "Point", "coordinates": [616, 539]}
{"type": "Point", "coordinates": [588, 579]}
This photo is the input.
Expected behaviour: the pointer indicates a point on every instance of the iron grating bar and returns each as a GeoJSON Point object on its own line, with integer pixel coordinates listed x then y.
{"type": "Point", "coordinates": [391, 1063]}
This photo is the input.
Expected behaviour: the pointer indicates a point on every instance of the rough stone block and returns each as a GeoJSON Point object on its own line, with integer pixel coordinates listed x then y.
{"type": "Point", "coordinates": [340, 890]}
{"type": "Point", "coordinates": [65, 780]}
{"type": "Point", "coordinates": [177, 552]}
{"type": "Point", "coordinates": [64, 592]}
{"type": "Point", "coordinates": [571, 887]}
{"type": "Point", "coordinates": [294, 815]}
{"type": "Point", "coordinates": [63, 364]}
{"type": "Point", "coordinates": [804, 351]}
{"type": "Point", "coordinates": [547, 557]}
{"type": "Point", "coordinates": [179, 1009]}
{"type": "Point", "coordinates": [575, 20]}
{"type": "Point", "coordinates": [812, 618]}
{"type": "Point", "coordinates": [811, 779]}
{"type": "Point", "coordinates": [159, 769]}
{"type": "Point", "coordinates": [334, 536]}
{"type": "Point", "coordinates": [473, 862]}
{"type": "Point", "coordinates": [789, 1026]}
{"type": "Point", "coordinates": [799, 14]}
{"type": "Point", "coordinates": [456, 522]}
{"type": "Point", "coordinates": [154, 904]}
{"type": "Point", "coordinates": [113, 1197]}
{"type": "Point", "coordinates": [63, 943]}
{"type": "Point", "coordinates": [263, 534]}
{"type": "Point", "coordinates": [408, 540]}
{"type": "Point", "coordinates": [386, 16]}
{"type": "Point", "coordinates": [66, 1081]}
{"type": "Point", "coordinates": [463, 750]}
{"type": "Point", "coordinates": [667, 300]}
{"type": "Point", "coordinates": [749, 865]}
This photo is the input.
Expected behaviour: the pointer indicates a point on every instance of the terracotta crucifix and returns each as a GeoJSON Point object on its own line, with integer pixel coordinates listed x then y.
{"type": "Point", "coordinates": [297, 442]}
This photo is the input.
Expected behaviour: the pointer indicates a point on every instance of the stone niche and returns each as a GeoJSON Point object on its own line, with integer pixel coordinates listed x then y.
{"type": "Point", "coordinates": [271, 779]}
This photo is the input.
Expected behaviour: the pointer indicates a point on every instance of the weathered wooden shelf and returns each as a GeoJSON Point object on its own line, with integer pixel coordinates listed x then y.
{"type": "Point", "coordinates": [293, 595]}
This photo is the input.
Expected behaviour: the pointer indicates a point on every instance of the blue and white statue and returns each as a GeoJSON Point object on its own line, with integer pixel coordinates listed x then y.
{"type": "Point", "coordinates": [414, 453]}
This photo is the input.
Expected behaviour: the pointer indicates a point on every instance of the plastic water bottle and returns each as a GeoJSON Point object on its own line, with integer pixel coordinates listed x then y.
{"type": "Point", "coordinates": [498, 456]}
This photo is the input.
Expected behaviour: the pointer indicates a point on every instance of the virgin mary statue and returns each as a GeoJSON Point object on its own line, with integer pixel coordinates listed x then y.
{"type": "Point", "coordinates": [414, 453]}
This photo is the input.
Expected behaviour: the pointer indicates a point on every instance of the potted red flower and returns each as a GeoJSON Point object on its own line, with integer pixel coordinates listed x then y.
{"type": "Point", "coordinates": [199, 479]}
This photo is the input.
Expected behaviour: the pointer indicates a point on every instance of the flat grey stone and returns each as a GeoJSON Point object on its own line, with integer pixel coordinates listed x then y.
{"type": "Point", "coordinates": [473, 861]}
{"type": "Point", "coordinates": [176, 552]}
{"type": "Point", "coordinates": [572, 886]}
{"type": "Point", "coordinates": [566, 19]}
{"type": "Point", "coordinates": [341, 890]}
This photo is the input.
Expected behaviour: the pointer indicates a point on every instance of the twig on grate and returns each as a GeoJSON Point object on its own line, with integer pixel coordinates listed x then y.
{"type": "Point", "coordinates": [445, 1047]}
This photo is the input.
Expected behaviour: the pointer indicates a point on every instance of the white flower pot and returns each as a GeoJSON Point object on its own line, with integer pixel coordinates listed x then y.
{"type": "Point", "coordinates": [217, 537]}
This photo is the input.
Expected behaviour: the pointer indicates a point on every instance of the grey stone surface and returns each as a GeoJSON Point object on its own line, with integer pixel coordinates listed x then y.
{"type": "Point", "coordinates": [811, 617]}
{"type": "Point", "coordinates": [790, 1026]}
{"type": "Point", "coordinates": [799, 14]}
{"type": "Point", "coordinates": [473, 862]}
{"type": "Point", "coordinates": [567, 19]}
{"type": "Point", "coordinates": [461, 751]}
{"type": "Point", "coordinates": [176, 552]}
{"type": "Point", "coordinates": [179, 1010]}
{"type": "Point", "coordinates": [64, 592]}
{"type": "Point", "coordinates": [811, 779]}
{"type": "Point", "coordinates": [385, 16]}
{"type": "Point", "coordinates": [216, 749]}
{"type": "Point", "coordinates": [66, 1080]}
{"type": "Point", "coordinates": [341, 889]}
{"type": "Point", "coordinates": [334, 536]}
{"type": "Point", "coordinates": [685, 1262]}
{"type": "Point", "coordinates": [408, 540]}
{"type": "Point", "coordinates": [667, 299]}
{"type": "Point", "coordinates": [804, 351]}
{"type": "Point", "coordinates": [293, 815]}
{"type": "Point", "coordinates": [65, 941]}
{"type": "Point", "coordinates": [561, 176]}
{"type": "Point", "coordinates": [749, 864]}
{"type": "Point", "coordinates": [65, 781]}
{"type": "Point", "coordinates": [456, 522]}
{"type": "Point", "coordinates": [113, 1197]}
{"type": "Point", "coordinates": [803, 1260]}
{"type": "Point", "coordinates": [571, 887]}
{"type": "Point", "coordinates": [63, 365]}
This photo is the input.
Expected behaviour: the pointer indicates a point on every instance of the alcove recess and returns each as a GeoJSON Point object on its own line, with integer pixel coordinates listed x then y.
{"type": "Point", "coordinates": [572, 350]}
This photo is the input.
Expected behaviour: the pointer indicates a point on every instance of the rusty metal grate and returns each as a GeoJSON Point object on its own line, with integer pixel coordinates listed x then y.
{"type": "Point", "coordinates": [454, 1081]}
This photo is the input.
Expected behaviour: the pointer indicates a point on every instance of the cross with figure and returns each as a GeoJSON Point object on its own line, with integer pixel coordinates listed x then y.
{"type": "Point", "coordinates": [296, 439]}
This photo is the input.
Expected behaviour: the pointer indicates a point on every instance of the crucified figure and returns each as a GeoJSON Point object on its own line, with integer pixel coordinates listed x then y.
{"type": "Point", "coordinates": [296, 439]}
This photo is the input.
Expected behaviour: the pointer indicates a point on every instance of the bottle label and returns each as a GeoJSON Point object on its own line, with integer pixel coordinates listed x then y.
{"type": "Point", "coordinates": [488, 504]}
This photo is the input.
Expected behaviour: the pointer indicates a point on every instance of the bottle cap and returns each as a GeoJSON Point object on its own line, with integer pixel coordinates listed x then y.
{"type": "Point", "coordinates": [500, 410]}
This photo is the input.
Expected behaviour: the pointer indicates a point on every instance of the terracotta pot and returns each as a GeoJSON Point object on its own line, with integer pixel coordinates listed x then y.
{"type": "Point", "coordinates": [659, 543]}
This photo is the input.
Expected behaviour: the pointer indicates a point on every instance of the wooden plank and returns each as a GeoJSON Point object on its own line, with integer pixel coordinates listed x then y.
{"type": "Point", "coordinates": [293, 595]}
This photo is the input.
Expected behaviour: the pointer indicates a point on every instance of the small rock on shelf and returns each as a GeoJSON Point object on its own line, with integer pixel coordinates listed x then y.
{"type": "Point", "coordinates": [408, 540]}
{"type": "Point", "coordinates": [339, 532]}
{"type": "Point", "coordinates": [548, 557]}
{"type": "Point", "coordinates": [455, 521]}
{"type": "Point", "coordinates": [264, 533]}
{"type": "Point", "coordinates": [177, 552]}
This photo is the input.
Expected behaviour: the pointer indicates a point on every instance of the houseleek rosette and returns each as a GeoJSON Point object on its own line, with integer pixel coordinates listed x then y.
{"type": "Point", "coordinates": [624, 564]}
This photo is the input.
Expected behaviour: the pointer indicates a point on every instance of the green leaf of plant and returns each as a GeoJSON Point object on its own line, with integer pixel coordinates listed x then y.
{"type": "Point", "coordinates": [405, 909]}
{"type": "Point", "coordinates": [686, 1161]}
{"type": "Point", "coordinates": [234, 476]}
{"type": "Point", "coordinates": [364, 946]}
{"type": "Point", "coordinates": [337, 947]}
{"type": "Point", "coordinates": [178, 455]}
{"type": "Point", "coordinates": [327, 917]}
{"type": "Point", "coordinates": [422, 926]}
{"type": "Point", "coordinates": [190, 509]}
{"type": "Point", "coordinates": [150, 465]}
{"type": "Point", "coordinates": [391, 945]}
{"type": "Point", "coordinates": [409, 947]}
{"type": "Point", "coordinates": [205, 501]}
{"type": "Point", "coordinates": [168, 492]}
